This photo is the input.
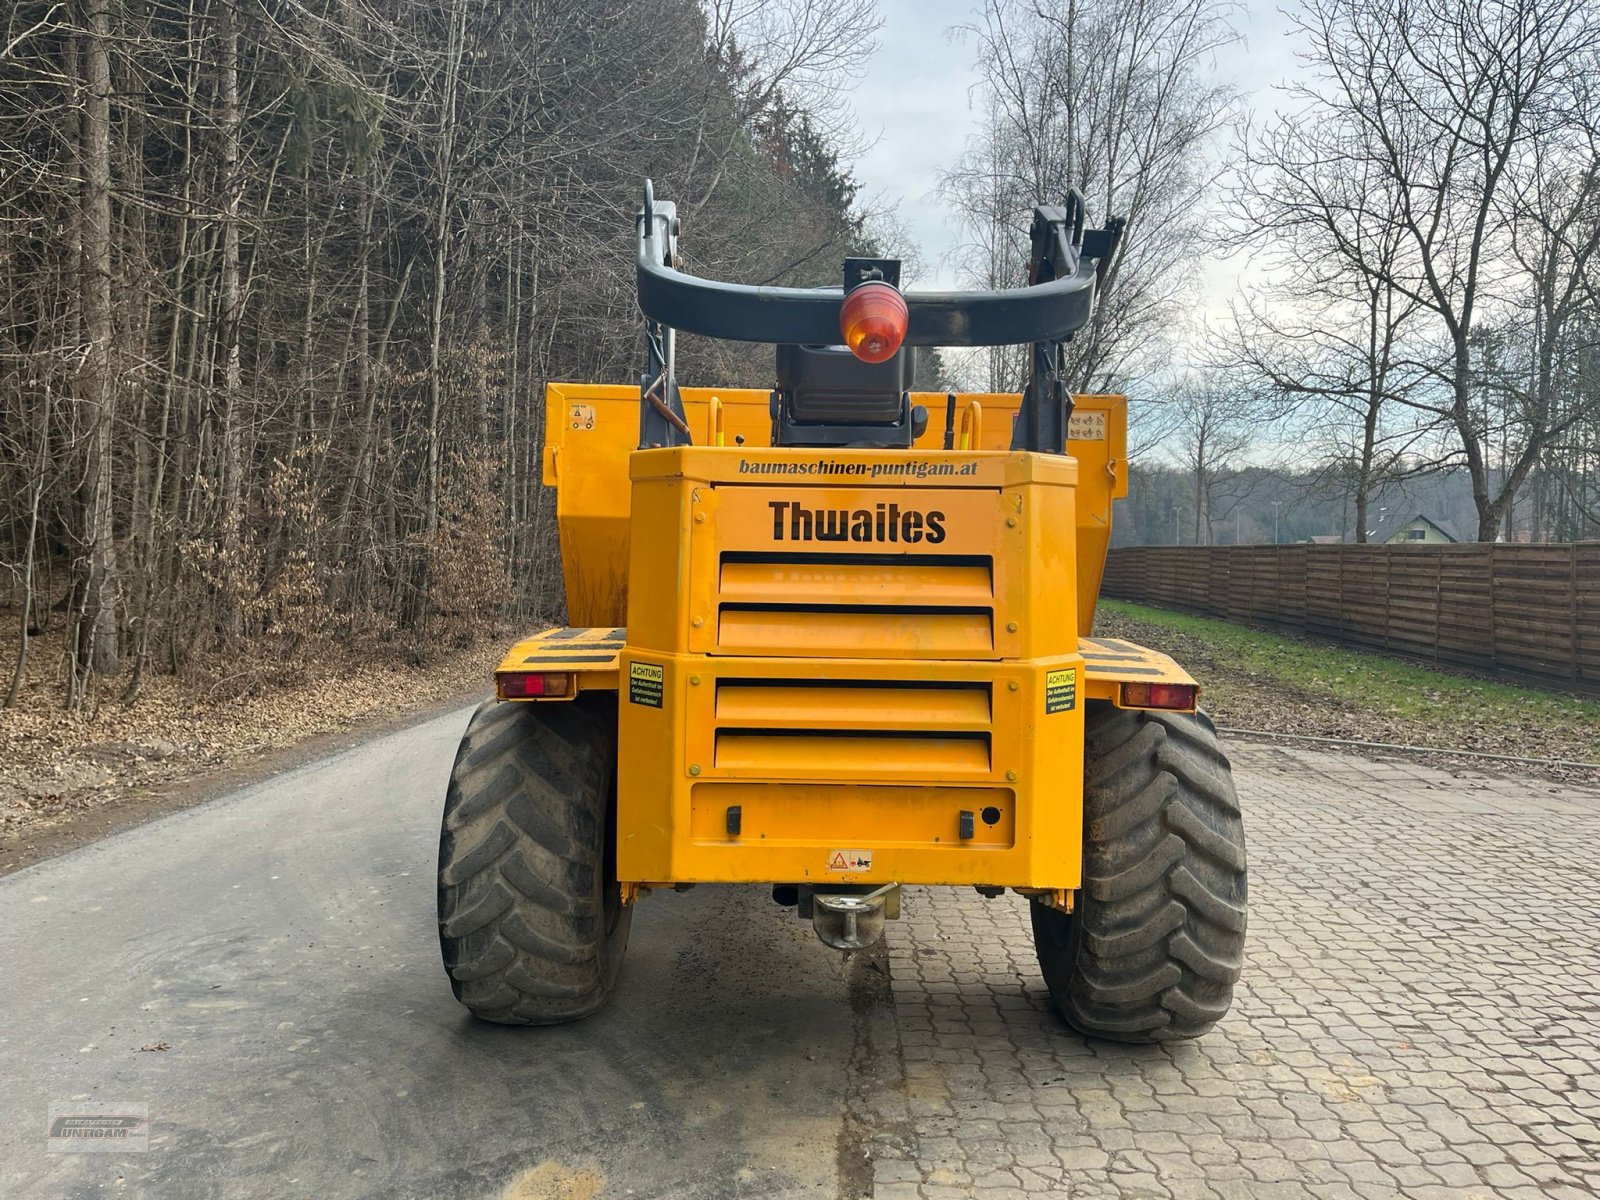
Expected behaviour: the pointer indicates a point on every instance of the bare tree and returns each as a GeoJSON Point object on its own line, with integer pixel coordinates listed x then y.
{"type": "Point", "coordinates": [1322, 334]}
{"type": "Point", "coordinates": [1117, 99]}
{"type": "Point", "coordinates": [1450, 116]}
{"type": "Point", "coordinates": [97, 640]}
{"type": "Point", "coordinates": [809, 52]}
{"type": "Point", "coordinates": [1215, 426]}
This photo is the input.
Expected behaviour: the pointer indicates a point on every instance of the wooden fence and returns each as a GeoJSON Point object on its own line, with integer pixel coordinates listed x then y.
{"type": "Point", "coordinates": [1531, 611]}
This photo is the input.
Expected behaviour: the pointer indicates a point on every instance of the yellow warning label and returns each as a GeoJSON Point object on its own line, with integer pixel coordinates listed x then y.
{"type": "Point", "coordinates": [850, 860]}
{"type": "Point", "coordinates": [1061, 690]}
{"type": "Point", "coordinates": [646, 683]}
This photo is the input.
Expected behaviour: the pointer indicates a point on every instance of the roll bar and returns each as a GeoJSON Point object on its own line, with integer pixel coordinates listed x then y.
{"type": "Point", "coordinates": [1067, 266]}
{"type": "Point", "coordinates": [1052, 308]}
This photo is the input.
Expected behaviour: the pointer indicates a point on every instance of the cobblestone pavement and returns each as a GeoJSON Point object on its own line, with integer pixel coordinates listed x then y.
{"type": "Point", "coordinates": [1419, 1015]}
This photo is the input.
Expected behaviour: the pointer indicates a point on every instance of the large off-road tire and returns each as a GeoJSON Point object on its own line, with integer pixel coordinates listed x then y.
{"type": "Point", "coordinates": [531, 920]}
{"type": "Point", "coordinates": [1157, 939]}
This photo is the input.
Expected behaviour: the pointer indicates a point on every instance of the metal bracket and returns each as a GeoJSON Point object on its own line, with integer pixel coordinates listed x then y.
{"type": "Point", "coordinates": [1060, 899]}
{"type": "Point", "coordinates": [1061, 249]}
{"type": "Point", "coordinates": [661, 416]}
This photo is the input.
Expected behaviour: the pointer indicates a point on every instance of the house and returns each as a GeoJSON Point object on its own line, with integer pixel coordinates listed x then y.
{"type": "Point", "coordinates": [1401, 530]}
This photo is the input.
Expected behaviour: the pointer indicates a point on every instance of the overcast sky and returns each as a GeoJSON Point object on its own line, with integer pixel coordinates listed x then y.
{"type": "Point", "coordinates": [917, 101]}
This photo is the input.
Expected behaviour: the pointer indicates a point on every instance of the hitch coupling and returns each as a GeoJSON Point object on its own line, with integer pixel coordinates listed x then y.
{"type": "Point", "coordinates": [852, 920]}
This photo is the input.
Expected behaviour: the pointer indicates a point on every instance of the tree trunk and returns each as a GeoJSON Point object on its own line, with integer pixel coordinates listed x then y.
{"type": "Point", "coordinates": [441, 255]}
{"type": "Point", "coordinates": [231, 298]}
{"type": "Point", "coordinates": [98, 635]}
{"type": "Point", "coordinates": [25, 625]}
{"type": "Point", "coordinates": [1369, 438]}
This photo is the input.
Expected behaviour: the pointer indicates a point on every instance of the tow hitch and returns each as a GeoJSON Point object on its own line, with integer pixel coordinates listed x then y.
{"type": "Point", "coordinates": [852, 920]}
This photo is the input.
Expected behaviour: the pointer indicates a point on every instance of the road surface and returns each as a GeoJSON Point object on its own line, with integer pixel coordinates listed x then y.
{"type": "Point", "coordinates": [282, 943]}
{"type": "Point", "coordinates": [1420, 1017]}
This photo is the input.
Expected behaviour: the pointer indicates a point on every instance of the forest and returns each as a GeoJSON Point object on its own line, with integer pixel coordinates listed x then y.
{"type": "Point", "coordinates": [282, 281]}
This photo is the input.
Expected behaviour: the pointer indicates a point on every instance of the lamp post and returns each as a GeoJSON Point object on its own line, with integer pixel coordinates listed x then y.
{"type": "Point", "coordinates": [1276, 504]}
{"type": "Point", "coordinates": [1175, 509]}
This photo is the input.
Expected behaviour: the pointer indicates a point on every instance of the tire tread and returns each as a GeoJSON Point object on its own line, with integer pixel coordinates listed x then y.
{"type": "Point", "coordinates": [1157, 942]}
{"type": "Point", "coordinates": [522, 898]}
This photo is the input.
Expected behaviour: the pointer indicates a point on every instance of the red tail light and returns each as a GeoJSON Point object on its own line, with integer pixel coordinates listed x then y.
{"type": "Point", "coordinates": [532, 685]}
{"type": "Point", "coordinates": [873, 321]}
{"type": "Point", "coordinates": [1178, 696]}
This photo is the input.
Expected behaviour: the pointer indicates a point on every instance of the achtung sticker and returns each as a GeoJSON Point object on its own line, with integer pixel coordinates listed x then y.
{"type": "Point", "coordinates": [1061, 690]}
{"type": "Point", "coordinates": [646, 682]}
{"type": "Point", "coordinates": [580, 416]}
{"type": "Point", "coordinates": [850, 860]}
{"type": "Point", "coordinates": [1086, 427]}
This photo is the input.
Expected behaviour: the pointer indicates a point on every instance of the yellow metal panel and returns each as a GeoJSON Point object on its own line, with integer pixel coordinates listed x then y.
{"type": "Point", "coordinates": [566, 648]}
{"type": "Point", "coordinates": [789, 815]}
{"type": "Point", "coordinates": [892, 620]}
{"type": "Point", "coordinates": [659, 560]}
{"type": "Point", "coordinates": [829, 634]}
{"type": "Point", "coordinates": [766, 703]}
{"type": "Point", "coordinates": [588, 655]}
{"type": "Point", "coordinates": [823, 519]}
{"type": "Point", "coordinates": [855, 757]}
{"type": "Point", "coordinates": [1009, 514]}
{"type": "Point", "coordinates": [1099, 442]}
{"type": "Point", "coordinates": [591, 433]}
{"type": "Point", "coordinates": [1109, 662]}
{"type": "Point", "coordinates": [843, 582]}
{"type": "Point", "coordinates": [670, 754]}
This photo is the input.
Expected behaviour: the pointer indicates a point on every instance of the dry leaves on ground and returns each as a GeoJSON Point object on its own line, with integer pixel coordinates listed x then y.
{"type": "Point", "coordinates": [55, 763]}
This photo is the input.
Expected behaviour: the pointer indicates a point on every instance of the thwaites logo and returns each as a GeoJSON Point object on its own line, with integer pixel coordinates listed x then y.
{"type": "Point", "coordinates": [794, 522]}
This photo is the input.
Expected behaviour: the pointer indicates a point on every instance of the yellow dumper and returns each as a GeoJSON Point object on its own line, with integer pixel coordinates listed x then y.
{"type": "Point", "coordinates": [835, 637]}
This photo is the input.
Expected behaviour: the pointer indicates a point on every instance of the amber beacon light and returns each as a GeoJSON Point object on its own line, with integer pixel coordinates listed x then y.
{"type": "Point", "coordinates": [873, 321]}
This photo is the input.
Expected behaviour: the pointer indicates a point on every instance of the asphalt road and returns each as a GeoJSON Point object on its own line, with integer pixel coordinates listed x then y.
{"type": "Point", "coordinates": [279, 946]}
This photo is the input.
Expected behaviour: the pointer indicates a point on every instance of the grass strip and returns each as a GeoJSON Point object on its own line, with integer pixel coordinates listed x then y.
{"type": "Point", "coordinates": [1252, 678]}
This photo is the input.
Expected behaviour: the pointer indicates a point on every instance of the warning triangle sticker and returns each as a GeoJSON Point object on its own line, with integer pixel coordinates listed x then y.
{"type": "Point", "coordinates": [837, 862]}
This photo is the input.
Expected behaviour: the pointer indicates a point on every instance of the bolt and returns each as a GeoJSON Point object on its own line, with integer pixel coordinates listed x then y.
{"type": "Point", "coordinates": [694, 679]}
{"type": "Point", "coordinates": [1011, 626]}
{"type": "Point", "coordinates": [1012, 686]}
{"type": "Point", "coordinates": [1011, 521]}
{"type": "Point", "coordinates": [1011, 776]}
{"type": "Point", "coordinates": [697, 622]}
{"type": "Point", "coordinates": [694, 768]}
{"type": "Point", "coordinates": [699, 518]}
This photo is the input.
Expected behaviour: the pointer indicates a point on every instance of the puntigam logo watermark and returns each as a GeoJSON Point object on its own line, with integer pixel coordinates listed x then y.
{"type": "Point", "coordinates": [103, 1128]}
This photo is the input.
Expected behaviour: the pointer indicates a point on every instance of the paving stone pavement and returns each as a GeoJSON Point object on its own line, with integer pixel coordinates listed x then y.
{"type": "Point", "coordinates": [1419, 1015]}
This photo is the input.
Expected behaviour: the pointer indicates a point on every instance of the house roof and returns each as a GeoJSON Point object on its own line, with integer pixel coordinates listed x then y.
{"type": "Point", "coordinates": [1387, 526]}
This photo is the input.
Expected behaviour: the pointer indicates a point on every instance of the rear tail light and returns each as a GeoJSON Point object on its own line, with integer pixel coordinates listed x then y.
{"type": "Point", "coordinates": [873, 321]}
{"type": "Point", "coordinates": [1177, 696]}
{"type": "Point", "coordinates": [532, 685]}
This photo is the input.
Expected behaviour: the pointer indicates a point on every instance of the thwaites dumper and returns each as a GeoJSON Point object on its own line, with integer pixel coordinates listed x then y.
{"type": "Point", "coordinates": [836, 638]}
